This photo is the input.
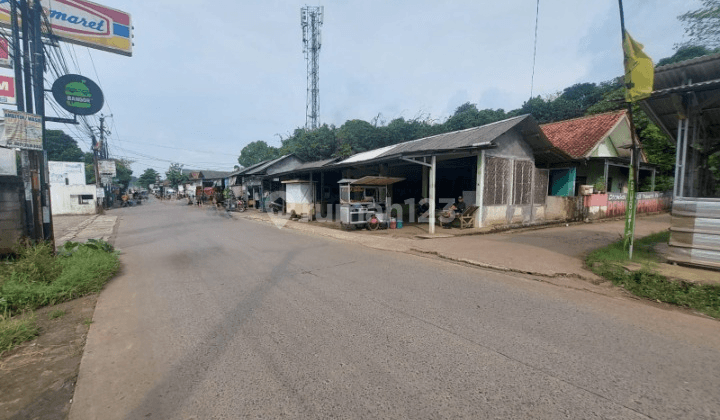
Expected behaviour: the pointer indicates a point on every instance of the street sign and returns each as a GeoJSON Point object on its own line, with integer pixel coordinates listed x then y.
{"type": "Point", "coordinates": [22, 130]}
{"type": "Point", "coordinates": [99, 193]}
{"type": "Point", "coordinates": [84, 23]}
{"type": "Point", "coordinates": [107, 167]}
{"type": "Point", "coordinates": [7, 90]}
{"type": "Point", "coordinates": [78, 94]}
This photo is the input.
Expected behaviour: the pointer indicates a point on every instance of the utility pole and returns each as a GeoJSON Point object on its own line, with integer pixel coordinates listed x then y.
{"type": "Point", "coordinates": [96, 165]}
{"type": "Point", "coordinates": [39, 86]}
{"type": "Point", "coordinates": [104, 154]}
{"type": "Point", "coordinates": [24, 154]}
{"type": "Point", "coordinates": [25, 11]}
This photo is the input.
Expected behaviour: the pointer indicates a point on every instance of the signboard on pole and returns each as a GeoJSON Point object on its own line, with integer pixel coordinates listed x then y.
{"type": "Point", "coordinates": [5, 53]}
{"type": "Point", "coordinates": [22, 130]}
{"type": "Point", "coordinates": [100, 193]}
{"type": "Point", "coordinates": [7, 90]}
{"type": "Point", "coordinates": [78, 94]}
{"type": "Point", "coordinates": [84, 23]}
{"type": "Point", "coordinates": [107, 167]}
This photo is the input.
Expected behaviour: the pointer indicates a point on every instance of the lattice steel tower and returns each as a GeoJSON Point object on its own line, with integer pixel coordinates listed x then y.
{"type": "Point", "coordinates": [311, 19]}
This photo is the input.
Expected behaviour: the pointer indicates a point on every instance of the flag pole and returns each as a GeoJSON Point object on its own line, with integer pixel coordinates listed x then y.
{"type": "Point", "coordinates": [630, 212]}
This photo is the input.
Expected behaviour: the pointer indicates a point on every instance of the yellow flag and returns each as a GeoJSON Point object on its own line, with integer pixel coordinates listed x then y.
{"type": "Point", "coordinates": [639, 71]}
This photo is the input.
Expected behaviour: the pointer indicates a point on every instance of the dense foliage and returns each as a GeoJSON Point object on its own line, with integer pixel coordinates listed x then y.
{"type": "Point", "coordinates": [61, 147]}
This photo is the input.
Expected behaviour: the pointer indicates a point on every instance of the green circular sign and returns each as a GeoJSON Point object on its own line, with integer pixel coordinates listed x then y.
{"type": "Point", "coordinates": [78, 94]}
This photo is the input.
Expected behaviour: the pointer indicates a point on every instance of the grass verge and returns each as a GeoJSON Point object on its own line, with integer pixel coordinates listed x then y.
{"type": "Point", "coordinates": [14, 331]}
{"type": "Point", "coordinates": [37, 277]}
{"type": "Point", "coordinates": [609, 262]}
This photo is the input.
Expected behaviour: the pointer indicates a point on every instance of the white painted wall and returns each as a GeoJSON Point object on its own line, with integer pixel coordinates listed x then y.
{"type": "Point", "coordinates": [66, 173]}
{"type": "Point", "coordinates": [8, 165]}
{"type": "Point", "coordinates": [65, 199]}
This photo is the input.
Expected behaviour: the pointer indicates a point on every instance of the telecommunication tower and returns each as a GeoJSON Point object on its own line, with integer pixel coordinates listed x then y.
{"type": "Point", "coordinates": [311, 19]}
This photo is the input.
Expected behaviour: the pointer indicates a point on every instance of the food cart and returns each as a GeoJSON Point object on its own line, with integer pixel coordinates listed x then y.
{"type": "Point", "coordinates": [365, 202]}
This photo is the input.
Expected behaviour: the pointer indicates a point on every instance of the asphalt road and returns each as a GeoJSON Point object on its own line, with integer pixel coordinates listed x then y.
{"type": "Point", "coordinates": [219, 318]}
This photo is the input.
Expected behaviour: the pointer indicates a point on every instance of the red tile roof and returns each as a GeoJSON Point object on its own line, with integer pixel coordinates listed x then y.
{"type": "Point", "coordinates": [578, 136]}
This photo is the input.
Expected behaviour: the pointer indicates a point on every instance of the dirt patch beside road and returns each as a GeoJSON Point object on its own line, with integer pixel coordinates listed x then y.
{"type": "Point", "coordinates": [38, 377]}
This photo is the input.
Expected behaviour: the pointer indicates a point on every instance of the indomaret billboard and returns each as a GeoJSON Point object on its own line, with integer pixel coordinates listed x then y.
{"type": "Point", "coordinates": [85, 23]}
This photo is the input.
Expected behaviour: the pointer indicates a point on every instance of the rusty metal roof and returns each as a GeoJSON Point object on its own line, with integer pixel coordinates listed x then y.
{"type": "Point", "coordinates": [376, 180]}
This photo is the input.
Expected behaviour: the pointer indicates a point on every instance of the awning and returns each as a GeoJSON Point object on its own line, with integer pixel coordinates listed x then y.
{"type": "Point", "coordinates": [372, 180]}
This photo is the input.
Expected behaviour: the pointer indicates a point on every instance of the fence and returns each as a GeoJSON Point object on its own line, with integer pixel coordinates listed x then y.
{"type": "Point", "coordinates": [598, 206]}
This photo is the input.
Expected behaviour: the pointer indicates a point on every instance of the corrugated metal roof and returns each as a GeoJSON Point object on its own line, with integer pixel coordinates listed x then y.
{"type": "Point", "coordinates": [377, 180]}
{"type": "Point", "coordinates": [471, 138]}
{"type": "Point", "coordinates": [694, 83]}
{"type": "Point", "coordinates": [264, 165]}
{"type": "Point", "coordinates": [215, 174]}
{"type": "Point", "coordinates": [314, 164]}
{"type": "Point", "coordinates": [696, 70]}
{"type": "Point", "coordinates": [370, 154]}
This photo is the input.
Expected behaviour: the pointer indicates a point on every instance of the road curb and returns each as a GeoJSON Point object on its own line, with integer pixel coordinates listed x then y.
{"type": "Point", "coordinates": [503, 268]}
{"type": "Point", "coordinates": [406, 248]}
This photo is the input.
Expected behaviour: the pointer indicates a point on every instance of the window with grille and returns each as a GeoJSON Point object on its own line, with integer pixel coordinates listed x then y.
{"type": "Point", "coordinates": [522, 181]}
{"type": "Point", "coordinates": [497, 175]}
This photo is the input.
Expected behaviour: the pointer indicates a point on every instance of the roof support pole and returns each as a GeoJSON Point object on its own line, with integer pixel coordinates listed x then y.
{"type": "Point", "coordinates": [433, 174]}
{"type": "Point", "coordinates": [322, 196]}
{"type": "Point", "coordinates": [684, 156]}
{"type": "Point", "coordinates": [425, 177]}
{"type": "Point", "coordinates": [606, 174]}
{"type": "Point", "coordinates": [479, 188]}
{"type": "Point", "coordinates": [652, 181]}
{"type": "Point", "coordinates": [678, 162]}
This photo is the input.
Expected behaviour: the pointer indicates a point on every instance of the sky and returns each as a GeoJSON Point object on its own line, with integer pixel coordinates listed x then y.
{"type": "Point", "coordinates": [207, 78]}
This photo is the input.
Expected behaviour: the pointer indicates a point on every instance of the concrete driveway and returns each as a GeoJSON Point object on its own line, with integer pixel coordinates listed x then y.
{"type": "Point", "coordinates": [554, 251]}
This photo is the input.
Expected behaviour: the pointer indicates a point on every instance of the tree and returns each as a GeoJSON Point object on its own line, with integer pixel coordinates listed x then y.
{"type": "Point", "coordinates": [124, 173]}
{"type": "Point", "coordinates": [148, 177]}
{"type": "Point", "coordinates": [61, 147]}
{"type": "Point", "coordinates": [257, 152]}
{"type": "Point", "coordinates": [359, 134]}
{"type": "Point", "coordinates": [702, 26]}
{"type": "Point", "coordinates": [174, 175]}
{"type": "Point", "coordinates": [310, 145]}
{"type": "Point", "coordinates": [685, 52]}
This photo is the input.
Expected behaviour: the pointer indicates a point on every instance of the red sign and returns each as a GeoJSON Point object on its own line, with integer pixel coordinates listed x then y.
{"type": "Point", "coordinates": [4, 54]}
{"type": "Point", "coordinates": [7, 90]}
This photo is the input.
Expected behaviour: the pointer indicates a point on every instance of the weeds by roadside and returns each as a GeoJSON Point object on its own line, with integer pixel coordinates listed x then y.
{"type": "Point", "coordinates": [609, 262]}
{"type": "Point", "coordinates": [37, 277]}
{"type": "Point", "coordinates": [57, 313]}
{"type": "Point", "coordinates": [14, 331]}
